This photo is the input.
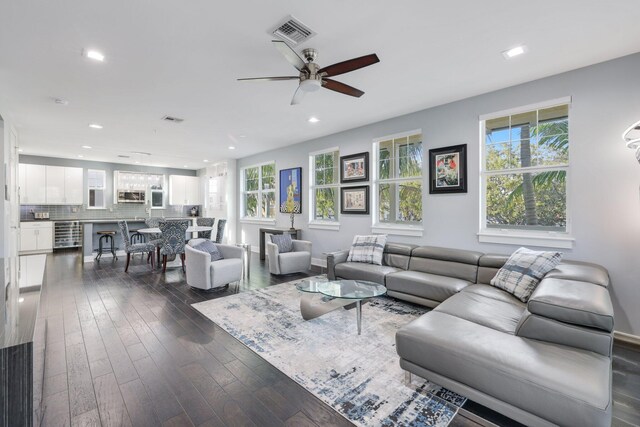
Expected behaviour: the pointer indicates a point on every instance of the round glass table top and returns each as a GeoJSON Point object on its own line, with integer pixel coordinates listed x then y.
{"type": "Point", "coordinates": [351, 289]}
{"type": "Point", "coordinates": [310, 285]}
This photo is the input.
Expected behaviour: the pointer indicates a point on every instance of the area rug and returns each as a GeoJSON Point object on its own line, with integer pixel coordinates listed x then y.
{"type": "Point", "coordinates": [359, 376]}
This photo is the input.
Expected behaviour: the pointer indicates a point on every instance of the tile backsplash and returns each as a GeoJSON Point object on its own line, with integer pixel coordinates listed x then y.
{"type": "Point", "coordinates": [63, 212]}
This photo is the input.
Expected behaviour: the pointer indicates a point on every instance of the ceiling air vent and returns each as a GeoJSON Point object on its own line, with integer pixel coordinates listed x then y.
{"type": "Point", "coordinates": [172, 119]}
{"type": "Point", "coordinates": [292, 31]}
{"type": "Point", "coordinates": [122, 156]}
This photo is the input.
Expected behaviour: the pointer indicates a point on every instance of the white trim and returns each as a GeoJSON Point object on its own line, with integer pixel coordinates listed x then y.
{"type": "Point", "coordinates": [324, 151]}
{"type": "Point", "coordinates": [527, 239]}
{"type": "Point", "coordinates": [257, 221]}
{"type": "Point", "coordinates": [398, 135]}
{"type": "Point", "coordinates": [259, 192]}
{"type": "Point", "coordinates": [627, 338]}
{"type": "Point", "coordinates": [398, 230]}
{"type": "Point", "coordinates": [324, 225]}
{"type": "Point", "coordinates": [526, 108]}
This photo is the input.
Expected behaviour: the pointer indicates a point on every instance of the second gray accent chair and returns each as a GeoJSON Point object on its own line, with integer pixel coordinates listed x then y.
{"type": "Point", "coordinates": [205, 222]}
{"type": "Point", "coordinates": [298, 260]}
{"type": "Point", "coordinates": [221, 227]}
{"type": "Point", "coordinates": [173, 240]}
{"type": "Point", "coordinates": [134, 248]}
{"type": "Point", "coordinates": [204, 274]}
{"type": "Point", "coordinates": [155, 239]}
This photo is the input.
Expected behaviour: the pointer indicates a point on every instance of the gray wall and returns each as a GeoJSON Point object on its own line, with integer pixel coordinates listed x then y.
{"type": "Point", "coordinates": [602, 183]}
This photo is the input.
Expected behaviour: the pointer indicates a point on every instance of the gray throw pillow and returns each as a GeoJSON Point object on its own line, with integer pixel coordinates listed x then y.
{"type": "Point", "coordinates": [283, 241]}
{"type": "Point", "coordinates": [367, 249]}
{"type": "Point", "coordinates": [211, 248]}
{"type": "Point", "coordinates": [523, 271]}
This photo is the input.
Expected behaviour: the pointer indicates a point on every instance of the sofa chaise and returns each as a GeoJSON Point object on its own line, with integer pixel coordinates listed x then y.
{"type": "Point", "coordinates": [544, 362]}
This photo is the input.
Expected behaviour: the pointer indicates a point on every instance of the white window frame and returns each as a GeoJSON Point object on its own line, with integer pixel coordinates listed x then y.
{"type": "Point", "coordinates": [104, 189]}
{"type": "Point", "coordinates": [393, 228]}
{"type": "Point", "coordinates": [317, 223]}
{"type": "Point", "coordinates": [551, 239]}
{"type": "Point", "coordinates": [259, 219]}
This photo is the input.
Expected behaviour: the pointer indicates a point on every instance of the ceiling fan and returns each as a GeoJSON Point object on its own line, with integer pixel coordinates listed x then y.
{"type": "Point", "coordinates": [312, 77]}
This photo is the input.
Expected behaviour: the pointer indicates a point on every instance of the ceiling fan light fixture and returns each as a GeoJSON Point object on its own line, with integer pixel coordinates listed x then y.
{"type": "Point", "coordinates": [310, 85]}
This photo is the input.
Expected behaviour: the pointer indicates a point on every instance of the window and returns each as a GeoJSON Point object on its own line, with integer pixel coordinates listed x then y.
{"type": "Point", "coordinates": [524, 171]}
{"type": "Point", "coordinates": [259, 192]}
{"type": "Point", "coordinates": [324, 188]}
{"type": "Point", "coordinates": [96, 183]}
{"type": "Point", "coordinates": [398, 180]}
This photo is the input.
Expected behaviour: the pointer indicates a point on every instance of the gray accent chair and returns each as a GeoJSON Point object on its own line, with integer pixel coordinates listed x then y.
{"type": "Point", "coordinates": [221, 227]}
{"type": "Point", "coordinates": [545, 362]}
{"type": "Point", "coordinates": [204, 274]}
{"type": "Point", "coordinates": [298, 260]}
{"type": "Point", "coordinates": [173, 235]}
{"type": "Point", "coordinates": [134, 248]}
{"type": "Point", "coordinates": [205, 222]}
{"type": "Point", "coordinates": [155, 239]}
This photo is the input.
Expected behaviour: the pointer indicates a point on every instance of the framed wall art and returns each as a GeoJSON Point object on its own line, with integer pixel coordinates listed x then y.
{"type": "Point", "coordinates": [448, 169]}
{"type": "Point", "coordinates": [291, 190]}
{"type": "Point", "coordinates": [354, 168]}
{"type": "Point", "coordinates": [354, 200]}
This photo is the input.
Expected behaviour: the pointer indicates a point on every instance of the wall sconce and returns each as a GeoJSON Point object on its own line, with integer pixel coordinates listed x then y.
{"type": "Point", "coordinates": [631, 137]}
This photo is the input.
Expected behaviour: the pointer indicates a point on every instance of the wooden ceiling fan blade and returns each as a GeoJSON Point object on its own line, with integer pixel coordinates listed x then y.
{"type": "Point", "coordinates": [342, 88]}
{"type": "Point", "coordinates": [298, 96]}
{"type": "Point", "coordinates": [289, 54]}
{"type": "Point", "coordinates": [269, 79]}
{"type": "Point", "coordinates": [349, 65]}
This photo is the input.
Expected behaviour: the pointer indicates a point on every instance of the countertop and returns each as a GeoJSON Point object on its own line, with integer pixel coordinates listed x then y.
{"type": "Point", "coordinates": [101, 220]}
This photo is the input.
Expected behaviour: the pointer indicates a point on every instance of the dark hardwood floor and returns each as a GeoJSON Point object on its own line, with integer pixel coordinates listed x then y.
{"type": "Point", "coordinates": [128, 349]}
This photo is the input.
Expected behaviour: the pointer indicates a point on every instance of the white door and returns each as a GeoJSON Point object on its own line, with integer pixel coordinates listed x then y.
{"type": "Point", "coordinates": [55, 185]}
{"type": "Point", "coordinates": [28, 239]}
{"type": "Point", "coordinates": [14, 208]}
{"type": "Point", "coordinates": [73, 185]}
{"type": "Point", "coordinates": [45, 238]}
{"type": "Point", "coordinates": [36, 182]}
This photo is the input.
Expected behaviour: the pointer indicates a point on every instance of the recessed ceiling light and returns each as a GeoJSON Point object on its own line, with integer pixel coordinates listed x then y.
{"type": "Point", "coordinates": [80, 155]}
{"type": "Point", "coordinates": [88, 147]}
{"type": "Point", "coordinates": [20, 299]}
{"type": "Point", "coordinates": [231, 147]}
{"type": "Point", "coordinates": [61, 101]}
{"type": "Point", "coordinates": [95, 126]}
{"type": "Point", "coordinates": [94, 54]}
{"type": "Point", "coordinates": [185, 166]}
{"type": "Point", "coordinates": [20, 150]}
{"type": "Point", "coordinates": [242, 136]}
{"type": "Point", "coordinates": [515, 51]}
{"type": "Point", "coordinates": [206, 161]}
{"type": "Point", "coordinates": [137, 162]}
{"type": "Point", "coordinates": [313, 120]}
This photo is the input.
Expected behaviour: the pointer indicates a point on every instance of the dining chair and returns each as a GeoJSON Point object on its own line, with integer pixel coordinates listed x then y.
{"type": "Point", "coordinates": [173, 234]}
{"type": "Point", "coordinates": [205, 222]}
{"type": "Point", "coordinates": [155, 239]}
{"type": "Point", "coordinates": [134, 248]}
{"type": "Point", "coordinates": [221, 226]}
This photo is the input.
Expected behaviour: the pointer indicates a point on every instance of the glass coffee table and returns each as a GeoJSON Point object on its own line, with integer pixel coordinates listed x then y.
{"type": "Point", "coordinates": [321, 296]}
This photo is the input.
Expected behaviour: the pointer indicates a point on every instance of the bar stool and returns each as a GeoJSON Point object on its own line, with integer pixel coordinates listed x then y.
{"type": "Point", "coordinates": [108, 237]}
{"type": "Point", "coordinates": [137, 237]}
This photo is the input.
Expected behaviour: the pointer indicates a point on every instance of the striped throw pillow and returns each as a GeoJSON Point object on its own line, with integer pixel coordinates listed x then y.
{"type": "Point", "coordinates": [523, 271]}
{"type": "Point", "coordinates": [367, 249]}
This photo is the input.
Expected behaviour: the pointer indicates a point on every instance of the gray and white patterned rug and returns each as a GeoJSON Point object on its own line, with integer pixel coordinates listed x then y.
{"type": "Point", "coordinates": [359, 376]}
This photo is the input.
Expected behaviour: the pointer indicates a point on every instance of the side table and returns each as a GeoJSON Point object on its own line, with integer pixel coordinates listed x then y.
{"type": "Point", "coordinates": [246, 260]}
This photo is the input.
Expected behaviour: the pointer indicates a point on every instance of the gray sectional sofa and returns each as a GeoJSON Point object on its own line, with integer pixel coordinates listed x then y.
{"type": "Point", "coordinates": [544, 362]}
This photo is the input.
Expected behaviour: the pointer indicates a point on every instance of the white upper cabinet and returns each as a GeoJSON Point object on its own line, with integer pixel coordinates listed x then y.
{"type": "Point", "coordinates": [33, 182]}
{"type": "Point", "coordinates": [184, 190]}
{"type": "Point", "coordinates": [50, 185]}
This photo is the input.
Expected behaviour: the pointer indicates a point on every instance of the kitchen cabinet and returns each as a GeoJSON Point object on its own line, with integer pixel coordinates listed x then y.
{"type": "Point", "coordinates": [50, 185]}
{"type": "Point", "coordinates": [184, 190]}
{"type": "Point", "coordinates": [36, 236]}
{"type": "Point", "coordinates": [33, 182]}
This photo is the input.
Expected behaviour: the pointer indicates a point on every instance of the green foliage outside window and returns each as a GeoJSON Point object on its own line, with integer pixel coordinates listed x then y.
{"type": "Point", "coordinates": [325, 190]}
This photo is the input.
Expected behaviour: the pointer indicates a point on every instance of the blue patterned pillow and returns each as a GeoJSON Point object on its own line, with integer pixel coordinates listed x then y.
{"type": "Point", "coordinates": [211, 248]}
{"type": "Point", "coordinates": [283, 241]}
{"type": "Point", "coordinates": [523, 271]}
{"type": "Point", "coordinates": [367, 249]}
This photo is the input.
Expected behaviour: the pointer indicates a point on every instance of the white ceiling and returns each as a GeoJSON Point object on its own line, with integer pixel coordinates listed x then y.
{"type": "Point", "coordinates": [182, 58]}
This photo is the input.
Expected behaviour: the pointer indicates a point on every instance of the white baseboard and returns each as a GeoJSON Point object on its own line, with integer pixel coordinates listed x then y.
{"type": "Point", "coordinates": [626, 338]}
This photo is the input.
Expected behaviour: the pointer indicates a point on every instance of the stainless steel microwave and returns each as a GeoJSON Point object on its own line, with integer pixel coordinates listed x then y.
{"type": "Point", "coordinates": [131, 196]}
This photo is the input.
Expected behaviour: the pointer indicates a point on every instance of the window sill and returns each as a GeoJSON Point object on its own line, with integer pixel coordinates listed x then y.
{"type": "Point", "coordinates": [398, 230]}
{"type": "Point", "coordinates": [561, 241]}
{"type": "Point", "coordinates": [258, 221]}
{"type": "Point", "coordinates": [325, 225]}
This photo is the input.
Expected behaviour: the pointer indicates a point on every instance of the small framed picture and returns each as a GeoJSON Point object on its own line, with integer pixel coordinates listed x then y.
{"type": "Point", "coordinates": [354, 200]}
{"type": "Point", "coordinates": [448, 169]}
{"type": "Point", "coordinates": [354, 168]}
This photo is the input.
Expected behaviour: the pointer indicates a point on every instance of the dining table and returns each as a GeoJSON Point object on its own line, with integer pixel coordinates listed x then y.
{"type": "Point", "coordinates": [190, 229]}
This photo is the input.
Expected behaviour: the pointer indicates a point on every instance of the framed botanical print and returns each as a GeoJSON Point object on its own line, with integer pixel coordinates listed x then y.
{"type": "Point", "coordinates": [354, 168]}
{"type": "Point", "coordinates": [448, 169]}
{"type": "Point", "coordinates": [354, 200]}
{"type": "Point", "coordinates": [291, 190]}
